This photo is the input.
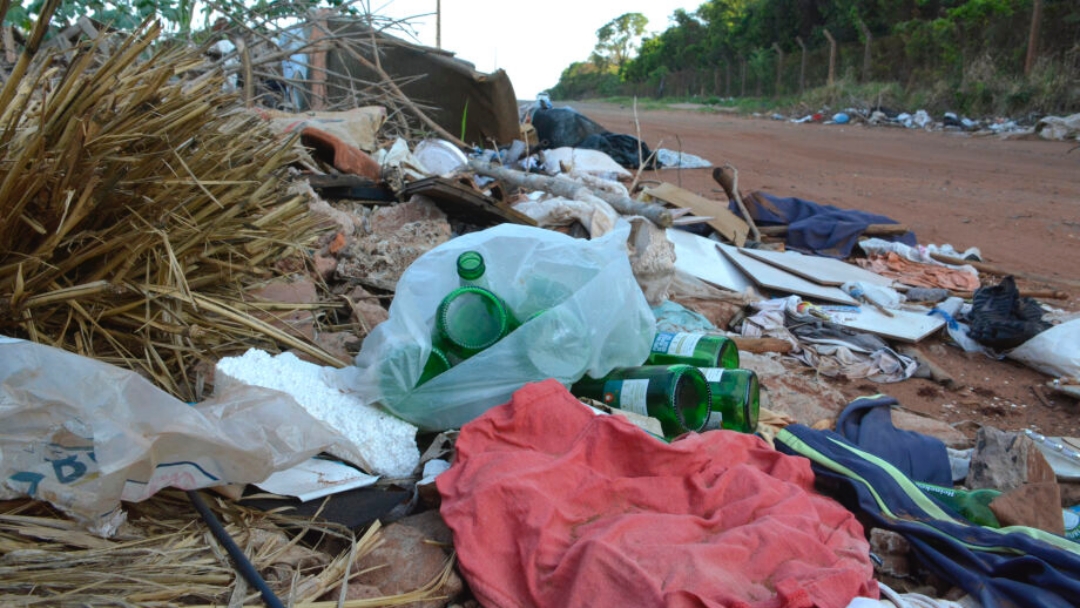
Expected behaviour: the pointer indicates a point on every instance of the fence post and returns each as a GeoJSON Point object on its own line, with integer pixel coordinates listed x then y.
{"type": "Point", "coordinates": [779, 67]}
{"type": "Point", "coordinates": [742, 76]}
{"type": "Point", "coordinates": [832, 57]}
{"type": "Point", "coordinates": [1033, 38]}
{"type": "Point", "coordinates": [869, 38]}
{"type": "Point", "coordinates": [727, 77]}
{"type": "Point", "coordinates": [802, 64]}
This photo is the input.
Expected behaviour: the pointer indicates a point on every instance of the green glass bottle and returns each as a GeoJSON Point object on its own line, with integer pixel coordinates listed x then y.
{"type": "Point", "coordinates": [736, 399]}
{"type": "Point", "coordinates": [468, 320]}
{"type": "Point", "coordinates": [471, 268]}
{"type": "Point", "coordinates": [694, 348]}
{"type": "Point", "coordinates": [436, 363]}
{"type": "Point", "coordinates": [676, 395]}
{"type": "Point", "coordinates": [973, 505]}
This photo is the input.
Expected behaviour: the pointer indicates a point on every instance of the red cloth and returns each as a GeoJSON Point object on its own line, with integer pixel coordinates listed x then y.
{"type": "Point", "coordinates": [551, 505]}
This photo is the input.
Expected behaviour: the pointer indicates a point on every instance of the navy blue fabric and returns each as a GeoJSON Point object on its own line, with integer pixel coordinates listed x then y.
{"type": "Point", "coordinates": [867, 422]}
{"type": "Point", "coordinates": [1000, 570]}
{"type": "Point", "coordinates": [815, 228]}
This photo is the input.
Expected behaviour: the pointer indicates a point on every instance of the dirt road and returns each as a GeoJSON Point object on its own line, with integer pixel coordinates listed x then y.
{"type": "Point", "coordinates": [1017, 201]}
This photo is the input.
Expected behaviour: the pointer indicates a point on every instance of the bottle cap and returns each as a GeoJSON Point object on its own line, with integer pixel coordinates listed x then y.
{"type": "Point", "coordinates": [470, 265]}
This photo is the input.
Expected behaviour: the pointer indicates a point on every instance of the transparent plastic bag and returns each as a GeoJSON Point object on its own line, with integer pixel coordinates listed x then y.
{"type": "Point", "coordinates": [84, 435]}
{"type": "Point", "coordinates": [595, 318]}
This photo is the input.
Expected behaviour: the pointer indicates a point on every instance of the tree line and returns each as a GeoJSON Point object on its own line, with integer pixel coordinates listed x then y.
{"type": "Point", "coordinates": [974, 55]}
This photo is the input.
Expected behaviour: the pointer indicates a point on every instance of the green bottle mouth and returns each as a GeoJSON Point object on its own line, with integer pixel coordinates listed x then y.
{"type": "Point", "coordinates": [473, 318]}
{"type": "Point", "coordinates": [689, 390]}
{"type": "Point", "coordinates": [470, 265]}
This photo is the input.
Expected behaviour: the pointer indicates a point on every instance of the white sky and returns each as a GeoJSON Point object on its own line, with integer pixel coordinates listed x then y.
{"type": "Point", "coordinates": [533, 41]}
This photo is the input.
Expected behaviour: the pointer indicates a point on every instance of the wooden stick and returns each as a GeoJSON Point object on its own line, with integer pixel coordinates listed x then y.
{"type": "Point", "coordinates": [566, 188]}
{"type": "Point", "coordinates": [999, 271]}
{"type": "Point", "coordinates": [728, 178]}
{"type": "Point", "coordinates": [1050, 294]}
{"type": "Point", "coordinates": [763, 345]}
{"type": "Point", "coordinates": [871, 230]}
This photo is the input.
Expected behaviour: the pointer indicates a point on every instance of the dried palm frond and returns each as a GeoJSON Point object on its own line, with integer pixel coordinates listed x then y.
{"type": "Point", "coordinates": [135, 205]}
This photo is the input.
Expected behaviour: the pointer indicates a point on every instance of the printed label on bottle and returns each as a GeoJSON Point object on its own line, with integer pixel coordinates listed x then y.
{"type": "Point", "coordinates": [712, 374]}
{"type": "Point", "coordinates": [680, 344]}
{"type": "Point", "coordinates": [627, 395]}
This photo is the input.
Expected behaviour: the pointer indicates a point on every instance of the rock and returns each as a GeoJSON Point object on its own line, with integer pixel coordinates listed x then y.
{"type": "Point", "coordinates": [718, 312]}
{"type": "Point", "coordinates": [910, 421]}
{"type": "Point", "coordinates": [339, 344]}
{"type": "Point", "coordinates": [1035, 505]}
{"type": "Point", "coordinates": [1005, 461]}
{"type": "Point", "coordinates": [325, 266]}
{"type": "Point", "coordinates": [398, 235]}
{"type": "Point", "coordinates": [296, 289]}
{"type": "Point", "coordinates": [404, 562]}
{"type": "Point", "coordinates": [893, 550]}
{"type": "Point", "coordinates": [430, 523]}
{"type": "Point", "coordinates": [367, 312]}
{"type": "Point", "coordinates": [802, 396]}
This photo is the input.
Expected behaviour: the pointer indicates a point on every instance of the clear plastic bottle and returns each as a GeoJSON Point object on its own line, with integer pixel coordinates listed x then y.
{"type": "Point", "coordinates": [694, 348]}
{"type": "Point", "coordinates": [676, 395]}
{"type": "Point", "coordinates": [736, 399]}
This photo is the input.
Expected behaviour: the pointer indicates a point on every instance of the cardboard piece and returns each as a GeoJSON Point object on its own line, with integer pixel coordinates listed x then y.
{"type": "Point", "coordinates": [724, 222]}
{"type": "Point", "coordinates": [821, 270]}
{"type": "Point", "coordinates": [698, 257]}
{"type": "Point", "coordinates": [316, 478]}
{"type": "Point", "coordinates": [775, 279]}
{"type": "Point", "coordinates": [903, 326]}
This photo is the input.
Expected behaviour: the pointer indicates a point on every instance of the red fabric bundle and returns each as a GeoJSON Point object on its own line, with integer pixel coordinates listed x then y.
{"type": "Point", "coordinates": [551, 505]}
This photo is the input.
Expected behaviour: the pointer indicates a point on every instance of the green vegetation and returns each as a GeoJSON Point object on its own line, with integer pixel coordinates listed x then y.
{"type": "Point", "coordinates": [969, 56]}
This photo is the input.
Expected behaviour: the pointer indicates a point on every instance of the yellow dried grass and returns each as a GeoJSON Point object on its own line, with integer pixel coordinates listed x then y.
{"type": "Point", "coordinates": [136, 203]}
{"type": "Point", "coordinates": [164, 557]}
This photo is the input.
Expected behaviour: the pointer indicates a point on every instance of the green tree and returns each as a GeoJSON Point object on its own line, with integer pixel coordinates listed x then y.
{"type": "Point", "coordinates": [618, 39]}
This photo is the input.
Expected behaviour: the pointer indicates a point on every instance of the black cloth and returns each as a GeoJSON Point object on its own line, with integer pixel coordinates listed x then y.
{"type": "Point", "coordinates": [1001, 319]}
{"type": "Point", "coordinates": [623, 149]}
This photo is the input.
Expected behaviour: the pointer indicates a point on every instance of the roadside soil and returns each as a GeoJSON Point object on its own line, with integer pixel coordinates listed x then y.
{"type": "Point", "coordinates": [1018, 201]}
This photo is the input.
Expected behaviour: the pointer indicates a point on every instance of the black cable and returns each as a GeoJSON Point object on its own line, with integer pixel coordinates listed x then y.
{"type": "Point", "coordinates": [240, 561]}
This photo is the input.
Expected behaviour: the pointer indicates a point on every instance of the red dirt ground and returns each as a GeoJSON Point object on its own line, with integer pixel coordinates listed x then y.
{"type": "Point", "coordinates": [1018, 201]}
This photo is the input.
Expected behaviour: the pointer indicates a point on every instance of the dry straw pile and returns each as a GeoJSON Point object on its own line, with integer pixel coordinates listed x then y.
{"type": "Point", "coordinates": [137, 200]}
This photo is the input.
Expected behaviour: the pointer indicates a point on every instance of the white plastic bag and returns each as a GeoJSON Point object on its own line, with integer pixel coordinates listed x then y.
{"type": "Point", "coordinates": [596, 319]}
{"type": "Point", "coordinates": [84, 435]}
{"type": "Point", "coordinates": [1055, 351]}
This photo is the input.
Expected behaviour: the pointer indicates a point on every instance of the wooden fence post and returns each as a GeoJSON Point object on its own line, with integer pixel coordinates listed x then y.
{"type": "Point", "coordinates": [1033, 38]}
{"type": "Point", "coordinates": [742, 76]}
{"type": "Point", "coordinates": [727, 77]}
{"type": "Point", "coordinates": [779, 67]}
{"type": "Point", "coordinates": [802, 65]}
{"type": "Point", "coordinates": [832, 57]}
{"type": "Point", "coordinates": [869, 38]}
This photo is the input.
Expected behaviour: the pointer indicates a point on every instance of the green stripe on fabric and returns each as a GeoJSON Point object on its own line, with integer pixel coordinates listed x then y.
{"type": "Point", "coordinates": [919, 497]}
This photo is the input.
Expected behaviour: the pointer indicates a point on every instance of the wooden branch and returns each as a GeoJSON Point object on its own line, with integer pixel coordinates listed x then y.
{"type": "Point", "coordinates": [871, 230]}
{"type": "Point", "coordinates": [802, 65]}
{"type": "Point", "coordinates": [728, 178]}
{"type": "Point", "coordinates": [569, 189]}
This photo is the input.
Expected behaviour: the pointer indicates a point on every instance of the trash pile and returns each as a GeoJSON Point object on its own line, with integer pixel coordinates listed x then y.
{"type": "Point", "coordinates": [254, 354]}
{"type": "Point", "coordinates": [1054, 128]}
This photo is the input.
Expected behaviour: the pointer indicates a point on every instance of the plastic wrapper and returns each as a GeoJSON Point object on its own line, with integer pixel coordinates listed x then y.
{"type": "Point", "coordinates": [595, 318]}
{"type": "Point", "coordinates": [84, 435]}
